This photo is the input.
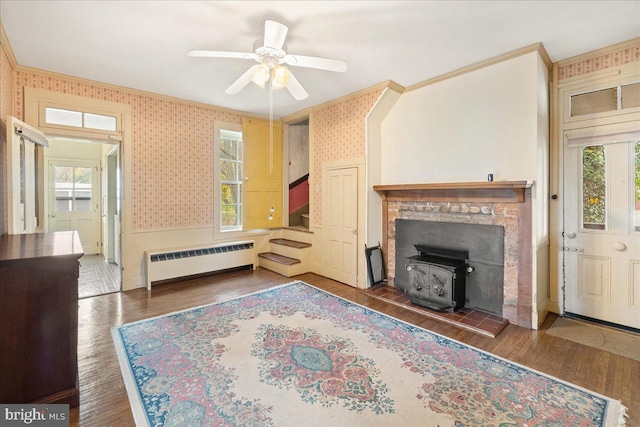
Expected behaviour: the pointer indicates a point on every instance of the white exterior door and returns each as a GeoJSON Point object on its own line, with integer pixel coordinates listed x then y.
{"type": "Point", "coordinates": [340, 218]}
{"type": "Point", "coordinates": [602, 229]}
{"type": "Point", "coordinates": [74, 200]}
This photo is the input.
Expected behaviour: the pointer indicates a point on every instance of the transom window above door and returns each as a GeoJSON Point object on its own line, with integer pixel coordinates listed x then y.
{"type": "Point", "coordinates": [79, 119]}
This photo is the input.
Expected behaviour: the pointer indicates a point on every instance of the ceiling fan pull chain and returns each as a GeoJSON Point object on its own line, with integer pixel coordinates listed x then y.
{"type": "Point", "coordinates": [270, 130]}
{"type": "Point", "coordinates": [271, 146]}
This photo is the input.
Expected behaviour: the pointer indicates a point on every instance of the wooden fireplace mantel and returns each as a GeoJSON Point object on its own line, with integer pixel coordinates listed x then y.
{"type": "Point", "coordinates": [495, 191]}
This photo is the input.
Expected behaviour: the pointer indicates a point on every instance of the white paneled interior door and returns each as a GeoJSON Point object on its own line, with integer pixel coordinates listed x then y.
{"type": "Point", "coordinates": [340, 220]}
{"type": "Point", "coordinates": [74, 200]}
{"type": "Point", "coordinates": [602, 230]}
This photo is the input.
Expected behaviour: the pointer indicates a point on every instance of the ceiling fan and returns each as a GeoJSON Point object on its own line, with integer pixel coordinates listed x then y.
{"type": "Point", "coordinates": [270, 55]}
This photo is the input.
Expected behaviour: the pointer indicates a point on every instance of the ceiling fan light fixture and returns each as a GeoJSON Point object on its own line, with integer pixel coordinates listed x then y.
{"type": "Point", "coordinates": [270, 54]}
{"type": "Point", "coordinates": [279, 77]}
{"type": "Point", "coordinates": [261, 75]}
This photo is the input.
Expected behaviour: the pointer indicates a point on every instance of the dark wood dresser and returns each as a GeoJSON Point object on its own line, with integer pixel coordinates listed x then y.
{"type": "Point", "coordinates": [39, 318]}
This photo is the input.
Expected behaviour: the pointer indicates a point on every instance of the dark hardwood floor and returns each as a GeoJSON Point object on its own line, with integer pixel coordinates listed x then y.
{"type": "Point", "coordinates": [103, 398]}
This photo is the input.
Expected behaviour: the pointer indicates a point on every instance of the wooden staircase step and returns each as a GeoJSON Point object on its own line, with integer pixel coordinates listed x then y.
{"type": "Point", "coordinates": [280, 259]}
{"type": "Point", "coordinates": [298, 228]}
{"type": "Point", "coordinates": [290, 243]}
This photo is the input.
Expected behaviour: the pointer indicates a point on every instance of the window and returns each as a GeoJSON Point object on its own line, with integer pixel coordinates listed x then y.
{"type": "Point", "coordinates": [603, 100]}
{"type": "Point", "coordinates": [59, 116]}
{"type": "Point", "coordinates": [72, 188]}
{"type": "Point", "coordinates": [594, 188]}
{"type": "Point", "coordinates": [231, 173]}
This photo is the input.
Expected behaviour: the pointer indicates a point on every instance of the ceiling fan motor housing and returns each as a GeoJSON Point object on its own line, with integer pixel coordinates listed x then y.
{"type": "Point", "coordinates": [269, 56]}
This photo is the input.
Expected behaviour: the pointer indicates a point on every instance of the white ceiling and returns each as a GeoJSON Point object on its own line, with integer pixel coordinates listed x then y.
{"type": "Point", "coordinates": [143, 44]}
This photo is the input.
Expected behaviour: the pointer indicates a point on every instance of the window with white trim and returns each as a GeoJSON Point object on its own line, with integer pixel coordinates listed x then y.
{"type": "Point", "coordinates": [230, 173]}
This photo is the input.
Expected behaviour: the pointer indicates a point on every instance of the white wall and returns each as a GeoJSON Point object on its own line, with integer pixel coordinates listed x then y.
{"type": "Point", "coordinates": [491, 120]}
{"type": "Point", "coordinates": [374, 164]}
{"type": "Point", "coordinates": [67, 149]}
{"type": "Point", "coordinates": [465, 127]}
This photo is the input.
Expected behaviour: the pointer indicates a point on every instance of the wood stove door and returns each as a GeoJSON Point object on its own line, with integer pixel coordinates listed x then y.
{"type": "Point", "coordinates": [430, 282]}
{"type": "Point", "coordinates": [602, 230]}
{"type": "Point", "coordinates": [441, 285]}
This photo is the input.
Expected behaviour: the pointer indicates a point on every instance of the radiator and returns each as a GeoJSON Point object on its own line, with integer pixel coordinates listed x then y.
{"type": "Point", "coordinates": [173, 263]}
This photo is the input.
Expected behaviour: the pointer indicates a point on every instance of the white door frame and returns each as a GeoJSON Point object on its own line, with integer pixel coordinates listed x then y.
{"type": "Point", "coordinates": [562, 122]}
{"type": "Point", "coordinates": [360, 164]}
{"type": "Point", "coordinates": [110, 208]}
{"type": "Point", "coordinates": [32, 100]}
{"type": "Point", "coordinates": [611, 297]}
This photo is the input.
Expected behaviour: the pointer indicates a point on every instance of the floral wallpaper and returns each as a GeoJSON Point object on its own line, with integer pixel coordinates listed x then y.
{"type": "Point", "coordinates": [338, 133]}
{"type": "Point", "coordinates": [172, 151]}
{"type": "Point", "coordinates": [602, 62]}
{"type": "Point", "coordinates": [6, 86]}
{"type": "Point", "coordinates": [6, 108]}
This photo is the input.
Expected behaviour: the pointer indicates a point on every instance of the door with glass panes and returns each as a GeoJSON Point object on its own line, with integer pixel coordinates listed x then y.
{"type": "Point", "coordinates": [602, 228]}
{"type": "Point", "coordinates": [74, 200]}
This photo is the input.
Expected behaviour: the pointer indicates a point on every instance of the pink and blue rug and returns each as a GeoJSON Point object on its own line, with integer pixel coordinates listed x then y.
{"type": "Point", "coordinates": [297, 356]}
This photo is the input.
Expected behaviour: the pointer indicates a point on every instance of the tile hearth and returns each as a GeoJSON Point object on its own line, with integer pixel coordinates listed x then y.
{"type": "Point", "coordinates": [477, 321]}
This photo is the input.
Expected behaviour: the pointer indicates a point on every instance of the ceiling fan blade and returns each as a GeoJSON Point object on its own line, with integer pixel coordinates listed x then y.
{"type": "Point", "coordinates": [296, 89]}
{"type": "Point", "coordinates": [314, 62]}
{"type": "Point", "coordinates": [221, 54]}
{"type": "Point", "coordinates": [244, 80]}
{"type": "Point", "coordinates": [274, 34]}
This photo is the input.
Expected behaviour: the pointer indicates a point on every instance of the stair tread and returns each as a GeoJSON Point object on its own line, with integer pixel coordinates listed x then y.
{"type": "Point", "coordinates": [280, 259]}
{"type": "Point", "coordinates": [298, 228]}
{"type": "Point", "coordinates": [291, 243]}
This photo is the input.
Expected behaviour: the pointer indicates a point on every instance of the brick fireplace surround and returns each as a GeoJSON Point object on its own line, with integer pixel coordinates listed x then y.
{"type": "Point", "coordinates": [503, 203]}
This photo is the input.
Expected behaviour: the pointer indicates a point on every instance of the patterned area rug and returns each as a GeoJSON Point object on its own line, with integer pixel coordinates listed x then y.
{"type": "Point", "coordinates": [297, 356]}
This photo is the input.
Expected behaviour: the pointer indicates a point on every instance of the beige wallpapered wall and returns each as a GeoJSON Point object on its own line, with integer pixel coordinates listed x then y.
{"type": "Point", "coordinates": [601, 62]}
{"type": "Point", "coordinates": [338, 133]}
{"type": "Point", "coordinates": [7, 75]}
{"type": "Point", "coordinates": [172, 151]}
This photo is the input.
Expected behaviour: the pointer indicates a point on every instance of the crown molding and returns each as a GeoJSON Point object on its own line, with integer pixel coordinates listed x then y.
{"type": "Point", "coordinates": [297, 116]}
{"type": "Point", "coordinates": [6, 46]}
{"type": "Point", "coordinates": [103, 85]}
{"type": "Point", "coordinates": [380, 86]}
{"type": "Point", "coordinates": [536, 47]}
{"type": "Point", "coordinates": [303, 114]}
{"type": "Point", "coordinates": [289, 118]}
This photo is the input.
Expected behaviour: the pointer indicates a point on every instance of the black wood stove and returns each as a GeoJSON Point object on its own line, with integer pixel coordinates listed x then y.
{"type": "Point", "coordinates": [437, 277]}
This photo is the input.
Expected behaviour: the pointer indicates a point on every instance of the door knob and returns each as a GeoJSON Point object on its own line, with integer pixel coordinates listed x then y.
{"type": "Point", "coordinates": [354, 231]}
{"type": "Point", "coordinates": [571, 235]}
{"type": "Point", "coordinates": [619, 246]}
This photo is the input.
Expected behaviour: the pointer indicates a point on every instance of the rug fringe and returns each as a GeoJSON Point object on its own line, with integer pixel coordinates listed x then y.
{"type": "Point", "coordinates": [622, 415]}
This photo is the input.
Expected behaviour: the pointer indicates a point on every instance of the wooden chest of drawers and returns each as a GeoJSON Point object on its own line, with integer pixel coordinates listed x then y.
{"type": "Point", "coordinates": [39, 317]}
